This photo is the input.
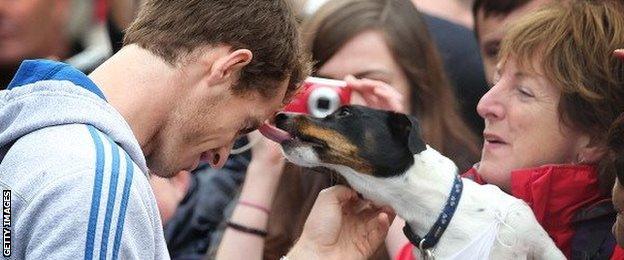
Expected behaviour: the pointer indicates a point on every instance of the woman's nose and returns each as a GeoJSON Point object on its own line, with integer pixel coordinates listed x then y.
{"type": "Point", "coordinates": [490, 106]}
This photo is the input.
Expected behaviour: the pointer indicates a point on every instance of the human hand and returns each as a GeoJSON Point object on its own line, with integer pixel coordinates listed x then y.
{"type": "Point", "coordinates": [619, 54]}
{"type": "Point", "coordinates": [375, 94]}
{"type": "Point", "coordinates": [337, 227]}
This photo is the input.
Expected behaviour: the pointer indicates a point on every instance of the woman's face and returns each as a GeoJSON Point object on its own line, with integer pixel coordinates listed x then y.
{"type": "Point", "coordinates": [523, 127]}
{"type": "Point", "coordinates": [367, 56]}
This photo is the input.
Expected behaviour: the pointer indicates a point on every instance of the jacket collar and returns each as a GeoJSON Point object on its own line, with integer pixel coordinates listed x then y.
{"type": "Point", "coordinates": [556, 192]}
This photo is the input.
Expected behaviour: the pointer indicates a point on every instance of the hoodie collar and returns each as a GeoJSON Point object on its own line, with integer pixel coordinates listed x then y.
{"type": "Point", "coordinates": [31, 71]}
{"type": "Point", "coordinates": [48, 93]}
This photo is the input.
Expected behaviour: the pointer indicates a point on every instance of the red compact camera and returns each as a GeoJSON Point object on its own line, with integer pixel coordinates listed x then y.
{"type": "Point", "coordinates": [320, 97]}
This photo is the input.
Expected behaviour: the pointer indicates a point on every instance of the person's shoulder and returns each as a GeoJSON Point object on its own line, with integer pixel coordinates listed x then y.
{"type": "Point", "coordinates": [48, 156]}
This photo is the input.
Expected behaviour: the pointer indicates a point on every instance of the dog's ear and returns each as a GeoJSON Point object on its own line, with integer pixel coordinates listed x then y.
{"type": "Point", "coordinates": [406, 128]}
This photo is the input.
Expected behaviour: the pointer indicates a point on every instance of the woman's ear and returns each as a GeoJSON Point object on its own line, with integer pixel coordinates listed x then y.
{"type": "Point", "coordinates": [591, 151]}
{"type": "Point", "coordinates": [226, 66]}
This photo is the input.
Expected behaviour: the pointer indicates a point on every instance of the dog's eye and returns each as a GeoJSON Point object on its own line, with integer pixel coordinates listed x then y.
{"type": "Point", "coordinates": [343, 113]}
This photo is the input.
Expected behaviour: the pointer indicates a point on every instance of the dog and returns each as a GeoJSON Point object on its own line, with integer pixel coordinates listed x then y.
{"type": "Point", "coordinates": [382, 155]}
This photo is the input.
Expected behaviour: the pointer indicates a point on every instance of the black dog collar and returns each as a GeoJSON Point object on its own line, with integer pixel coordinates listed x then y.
{"type": "Point", "coordinates": [435, 233]}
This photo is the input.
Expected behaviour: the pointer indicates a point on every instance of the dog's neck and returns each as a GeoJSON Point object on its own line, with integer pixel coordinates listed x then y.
{"type": "Point", "coordinates": [418, 195]}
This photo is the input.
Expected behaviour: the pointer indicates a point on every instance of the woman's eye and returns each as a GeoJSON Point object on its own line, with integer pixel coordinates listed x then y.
{"type": "Point", "coordinates": [525, 92]}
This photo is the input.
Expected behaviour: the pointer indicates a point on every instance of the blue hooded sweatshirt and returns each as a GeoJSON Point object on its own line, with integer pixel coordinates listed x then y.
{"type": "Point", "coordinates": [77, 177]}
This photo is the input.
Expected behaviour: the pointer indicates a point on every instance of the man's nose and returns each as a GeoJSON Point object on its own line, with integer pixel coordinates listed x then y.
{"type": "Point", "coordinates": [219, 156]}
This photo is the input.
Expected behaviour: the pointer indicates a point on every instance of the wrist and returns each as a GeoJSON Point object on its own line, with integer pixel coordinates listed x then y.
{"type": "Point", "coordinates": [304, 250]}
{"type": "Point", "coordinates": [264, 169]}
{"type": "Point", "coordinates": [261, 181]}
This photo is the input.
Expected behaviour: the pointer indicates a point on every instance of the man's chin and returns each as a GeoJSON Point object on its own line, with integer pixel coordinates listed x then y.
{"type": "Point", "coordinates": [165, 172]}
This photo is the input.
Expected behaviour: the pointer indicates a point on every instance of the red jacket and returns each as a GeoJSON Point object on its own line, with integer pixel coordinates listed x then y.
{"type": "Point", "coordinates": [555, 193]}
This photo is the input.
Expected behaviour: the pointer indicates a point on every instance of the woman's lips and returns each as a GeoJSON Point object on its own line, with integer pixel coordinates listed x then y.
{"type": "Point", "coordinates": [492, 141]}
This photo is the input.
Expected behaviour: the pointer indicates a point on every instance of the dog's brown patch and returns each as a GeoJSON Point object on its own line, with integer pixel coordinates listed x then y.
{"type": "Point", "coordinates": [340, 150]}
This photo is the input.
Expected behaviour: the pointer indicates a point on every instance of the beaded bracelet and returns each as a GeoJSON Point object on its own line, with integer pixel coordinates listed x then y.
{"type": "Point", "coordinates": [247, 230]}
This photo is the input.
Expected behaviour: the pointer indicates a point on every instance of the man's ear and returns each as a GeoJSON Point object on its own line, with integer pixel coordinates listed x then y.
{"type": "Point", "coordinates": [227, 65]}
{"type": "Point", "coordinates": [406, 128]}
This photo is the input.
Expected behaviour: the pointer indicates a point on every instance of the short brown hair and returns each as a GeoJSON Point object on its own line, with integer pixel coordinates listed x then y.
{"type": "Point", "coordinates": [574, 45]}
{"type": "Point", "coordinates": [174, 29]}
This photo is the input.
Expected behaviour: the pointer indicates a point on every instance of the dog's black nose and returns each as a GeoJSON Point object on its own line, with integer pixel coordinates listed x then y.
{"type": "Point", "coordinates": [282, 117]}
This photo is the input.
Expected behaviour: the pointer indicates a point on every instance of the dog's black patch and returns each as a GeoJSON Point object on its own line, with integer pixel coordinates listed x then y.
{"type": "Point", "coordinates": [385, 140]}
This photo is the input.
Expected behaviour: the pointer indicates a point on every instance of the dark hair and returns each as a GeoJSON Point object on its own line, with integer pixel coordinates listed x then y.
{"type": "Point", "coordinates": [173, 30]}
{"type": "Point", "coordinates": [493, 8]}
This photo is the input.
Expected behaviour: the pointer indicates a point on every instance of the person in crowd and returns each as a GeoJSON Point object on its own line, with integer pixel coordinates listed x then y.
{"type": "Point", "coordinates": [455, 11]}
{"type": "Point", "coordinates": [557, 91]}
{"type": "Point", "coordinates": [451, 26]}
{"type": "Point", "coordinates": [492, 19]}
{"type": "Point", "coordinates": [53, 34]}
{"type": "Point", "coordinates": [462, 62]}
{"type": "Point", "coordinates": [88, 144]}
{"type": "Point", "coordinates": [376, 42]}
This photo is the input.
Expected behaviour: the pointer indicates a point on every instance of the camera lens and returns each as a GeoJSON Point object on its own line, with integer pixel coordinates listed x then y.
{"type": "Point", "coordinates": [323, 103]}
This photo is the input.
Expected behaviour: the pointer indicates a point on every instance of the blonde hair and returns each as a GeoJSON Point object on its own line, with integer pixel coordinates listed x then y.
{"type": "Point", "coordinates": [572, 46]}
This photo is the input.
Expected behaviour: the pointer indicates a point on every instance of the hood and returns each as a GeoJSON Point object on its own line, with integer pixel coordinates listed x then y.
{"type": "Point", "coordinates": [47, 93]}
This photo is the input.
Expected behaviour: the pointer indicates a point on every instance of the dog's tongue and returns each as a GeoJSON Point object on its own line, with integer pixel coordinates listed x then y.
{"type": "Point", "coordinates": [274, 133]}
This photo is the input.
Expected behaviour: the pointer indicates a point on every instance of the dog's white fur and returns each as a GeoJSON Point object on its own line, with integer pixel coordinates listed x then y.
{"type": "Point", "coordinates": [419, 195]}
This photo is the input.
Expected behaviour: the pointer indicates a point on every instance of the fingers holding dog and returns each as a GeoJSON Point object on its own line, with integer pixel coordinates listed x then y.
{"type": "Point", "coordinates": [338, 226]}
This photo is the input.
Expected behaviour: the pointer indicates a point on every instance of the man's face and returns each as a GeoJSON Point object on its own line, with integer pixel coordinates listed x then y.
{"type": "Point", "coordinates": [204, 129]}
{"type": "Point", "coordinates": [30, 28]}
{"type": "Point", "coordinates": [491, 31]}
